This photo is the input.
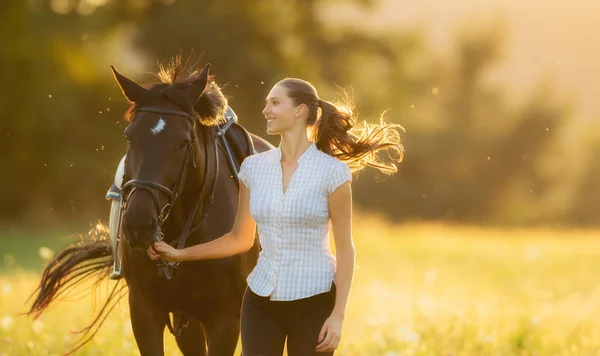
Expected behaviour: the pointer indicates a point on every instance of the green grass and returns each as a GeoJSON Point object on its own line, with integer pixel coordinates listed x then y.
{"type": "Point", "coordinates": [419, 290]}
{"type": "Point", "coordinates": [19, 247]}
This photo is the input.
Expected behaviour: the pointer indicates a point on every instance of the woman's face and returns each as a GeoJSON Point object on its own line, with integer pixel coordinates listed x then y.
{"type": "Point", "coordinates": [280, 111]}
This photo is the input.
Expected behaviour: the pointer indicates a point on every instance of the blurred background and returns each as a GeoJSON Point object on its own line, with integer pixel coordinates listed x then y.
{"type": "Point", "coordinates": [497, 97]}
{"type": "Point", "coordinates": [484, 242]}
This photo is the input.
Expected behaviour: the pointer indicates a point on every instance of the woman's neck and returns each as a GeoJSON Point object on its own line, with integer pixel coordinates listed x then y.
{"type": "Point", "coordinates": [292, 147]}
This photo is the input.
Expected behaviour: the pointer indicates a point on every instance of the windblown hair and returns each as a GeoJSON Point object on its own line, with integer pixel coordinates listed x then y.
{"type": "Point", "coordinates": [334, 130]}
{"type": "Point", "coordinates": [179, 75]}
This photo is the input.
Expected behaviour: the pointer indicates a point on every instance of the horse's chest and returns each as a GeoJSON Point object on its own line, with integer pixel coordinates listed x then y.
{"type": "Point", "coordinates": [197, 287]}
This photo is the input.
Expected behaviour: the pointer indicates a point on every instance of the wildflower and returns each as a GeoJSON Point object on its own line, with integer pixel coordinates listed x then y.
{"type": "Point", "coordinates": [6, 322]}
{"type": "Point", "coordinates": [46, 253]}
{"type": "Point", "coordinates": [6, 289]}
{"type": "Point", "coordinates": [37, 326]}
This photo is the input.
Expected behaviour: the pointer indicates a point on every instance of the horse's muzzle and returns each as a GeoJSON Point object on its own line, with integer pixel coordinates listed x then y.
{"type": "Point", "coordinates": [139, 235]}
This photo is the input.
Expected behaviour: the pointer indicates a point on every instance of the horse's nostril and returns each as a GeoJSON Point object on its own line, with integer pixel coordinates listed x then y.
{"type": "Point", "coordinates": [151, 227]}
{"type": "Point", "coordinates": [139, 232]}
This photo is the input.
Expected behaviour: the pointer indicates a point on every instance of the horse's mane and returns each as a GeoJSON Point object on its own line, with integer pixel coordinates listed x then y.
{"type": "Point", "coordinates": [211, 105]}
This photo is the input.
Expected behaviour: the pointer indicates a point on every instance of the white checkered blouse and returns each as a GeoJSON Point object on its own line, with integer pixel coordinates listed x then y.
{"type": "Point", "coordinates": [295, 261]}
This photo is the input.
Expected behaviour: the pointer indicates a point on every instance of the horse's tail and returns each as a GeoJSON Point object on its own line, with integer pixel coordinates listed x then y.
{"type": "Point", "coordinates": [89, 261]}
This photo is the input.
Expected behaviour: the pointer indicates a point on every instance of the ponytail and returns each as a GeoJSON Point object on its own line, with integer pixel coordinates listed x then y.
{"type": "Point", "coordinates": [335, 132]}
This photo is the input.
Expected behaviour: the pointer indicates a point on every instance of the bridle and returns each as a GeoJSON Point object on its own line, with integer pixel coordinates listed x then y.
{"type": "Point", "coordinates": [155, 189]}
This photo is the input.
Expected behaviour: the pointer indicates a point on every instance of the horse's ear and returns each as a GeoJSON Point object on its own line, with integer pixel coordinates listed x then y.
{"type": "Point", "coordinates": [194, 91]}
{"type": "Point", "coordinates": [132, 90]}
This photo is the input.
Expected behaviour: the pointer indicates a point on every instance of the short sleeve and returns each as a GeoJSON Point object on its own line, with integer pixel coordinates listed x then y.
{"type": "Point", "coordinates": [245, 172]}
{"type": "Point", "coordinates": [340, 175]}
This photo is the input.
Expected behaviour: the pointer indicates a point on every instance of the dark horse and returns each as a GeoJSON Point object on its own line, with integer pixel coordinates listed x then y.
{"type": "Point", "coordinates": [179, 186]}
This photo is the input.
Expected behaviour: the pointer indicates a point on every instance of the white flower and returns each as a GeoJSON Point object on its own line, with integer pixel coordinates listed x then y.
{"type": "Point", "coordinates": [37, 326]}
{"type": "Point", "coordinates": [127, 329]}
{"type": "Point", "coordinates": [484, 338]}
{"type": "Point", "coordinates": [407, 334]}
{"type": "Point", "coordinates": [411, 336]}
{"type": "Point", "coordinates": [6, 322]}
{"type": "Point", "coordinates": [46, 253]}
{"type": "Point", "coordinates": [430, 276]}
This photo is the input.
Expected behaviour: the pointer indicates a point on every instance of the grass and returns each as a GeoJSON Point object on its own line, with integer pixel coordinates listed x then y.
{"type": "Point", "coordinates": [24, 244]}
{"type": "Point", "coordinates": [418, 290]}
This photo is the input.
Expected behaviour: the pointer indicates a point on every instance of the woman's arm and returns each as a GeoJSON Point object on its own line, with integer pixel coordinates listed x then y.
{"type": "Point", "coordinates": [240, 239]}
{"type": "Point", "coordinates": [340, 210]}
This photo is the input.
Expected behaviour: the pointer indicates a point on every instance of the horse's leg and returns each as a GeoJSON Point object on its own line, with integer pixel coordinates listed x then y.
{"type": "Point", "coordinates": [223, 334]}
{"type": "Point", "coordinates": [192, 340]}
{"type": "Point", "coordinates": [148, 324]}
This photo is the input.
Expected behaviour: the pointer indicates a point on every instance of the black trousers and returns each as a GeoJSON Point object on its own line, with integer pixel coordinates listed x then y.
{"type": "Point", "coordinates": [266, 324]}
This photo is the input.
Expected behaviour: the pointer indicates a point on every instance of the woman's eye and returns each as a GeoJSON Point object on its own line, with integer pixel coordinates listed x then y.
{"type": "Point", "coordinates": [127, 138]}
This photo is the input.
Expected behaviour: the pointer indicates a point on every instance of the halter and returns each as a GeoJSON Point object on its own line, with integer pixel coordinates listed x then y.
{"type": "Point", "coordinates": [154, 189]}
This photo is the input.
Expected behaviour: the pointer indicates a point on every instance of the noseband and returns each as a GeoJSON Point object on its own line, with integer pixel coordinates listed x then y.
{"type": "Point", "coordinates": [154, 189]}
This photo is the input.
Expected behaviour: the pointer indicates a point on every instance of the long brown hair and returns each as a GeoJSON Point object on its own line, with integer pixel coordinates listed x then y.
{"type": "Point", "coordinates": [335, 132]}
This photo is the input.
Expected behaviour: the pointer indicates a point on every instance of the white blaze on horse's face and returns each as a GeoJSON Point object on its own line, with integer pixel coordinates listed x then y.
{"type": "Point", "coordinates": [160, 125]}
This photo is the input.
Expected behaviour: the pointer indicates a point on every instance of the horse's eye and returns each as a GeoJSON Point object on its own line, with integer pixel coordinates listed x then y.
{"type": "Point", "coordinates": [184, 145]}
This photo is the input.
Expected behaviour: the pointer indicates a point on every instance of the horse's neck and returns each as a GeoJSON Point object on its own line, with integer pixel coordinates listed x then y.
{"type": "Point", "coordinates": [196, 176]}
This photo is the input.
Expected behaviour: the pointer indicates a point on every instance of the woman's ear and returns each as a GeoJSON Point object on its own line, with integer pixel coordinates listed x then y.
{"type": "Point", "coordinates": [302, 108]}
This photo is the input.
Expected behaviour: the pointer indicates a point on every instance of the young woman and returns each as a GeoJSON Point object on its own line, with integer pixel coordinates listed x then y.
{"type": "Point", "coordinates": [295, 193]}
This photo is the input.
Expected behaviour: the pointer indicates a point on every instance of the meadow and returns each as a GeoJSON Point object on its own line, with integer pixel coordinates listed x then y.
{"type": "Point", "coordinates": [418, 290]}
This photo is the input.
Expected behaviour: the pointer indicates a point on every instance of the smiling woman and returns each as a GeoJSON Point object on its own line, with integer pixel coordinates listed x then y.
{"type": "Point", "coordinates": [332, 126]}
{"type": "Point", "coordinates": [298, 290]}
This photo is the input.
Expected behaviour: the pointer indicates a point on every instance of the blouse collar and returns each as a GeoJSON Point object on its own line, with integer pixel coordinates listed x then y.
{"type": "Point", "coordinates": [305, 155]}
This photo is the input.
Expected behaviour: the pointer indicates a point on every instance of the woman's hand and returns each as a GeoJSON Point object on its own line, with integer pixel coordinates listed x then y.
{"type": "Point", "coordinates": [330, 334]}
{"type": "Point", "coordinates": [163, 250]}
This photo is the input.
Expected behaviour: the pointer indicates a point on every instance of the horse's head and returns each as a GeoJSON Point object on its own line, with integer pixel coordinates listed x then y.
{"type": "Point", "coordinates": [163, 142]}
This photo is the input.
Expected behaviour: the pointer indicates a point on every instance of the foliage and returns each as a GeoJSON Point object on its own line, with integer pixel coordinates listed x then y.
{"type": "Point", "coordinates": [473, 153]}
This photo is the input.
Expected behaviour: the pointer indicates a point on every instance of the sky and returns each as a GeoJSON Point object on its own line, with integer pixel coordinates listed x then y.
{"type": "Point", "coordinates": [546, 39]}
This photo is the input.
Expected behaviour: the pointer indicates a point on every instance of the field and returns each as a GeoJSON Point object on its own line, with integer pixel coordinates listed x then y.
{"type": "Point", "coordinates": [418, 290]}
